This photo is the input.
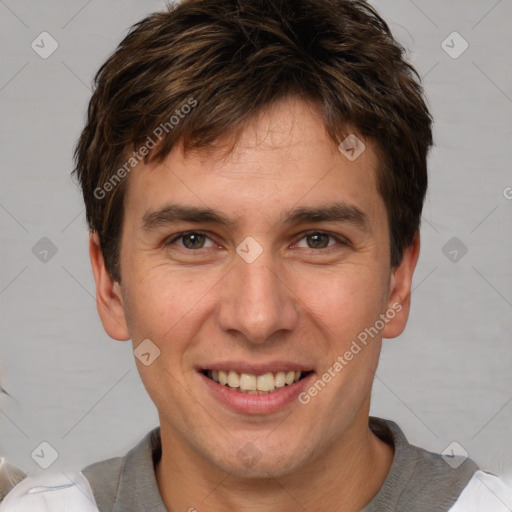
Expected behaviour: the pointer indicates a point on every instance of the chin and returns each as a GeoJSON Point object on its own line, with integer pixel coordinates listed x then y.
{"type": "Point", "coordinates": [258, 460]}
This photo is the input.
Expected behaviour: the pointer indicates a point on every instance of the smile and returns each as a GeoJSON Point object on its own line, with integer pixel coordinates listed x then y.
{"type": "Point", "coordinates": [255, 384]}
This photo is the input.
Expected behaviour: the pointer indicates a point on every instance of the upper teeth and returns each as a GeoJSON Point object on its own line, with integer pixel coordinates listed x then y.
{"type": "Point", "coordinates": [267, 382]}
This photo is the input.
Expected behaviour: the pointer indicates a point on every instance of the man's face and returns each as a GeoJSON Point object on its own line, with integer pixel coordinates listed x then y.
{"type": "Point", "coordinates": [270, 291]}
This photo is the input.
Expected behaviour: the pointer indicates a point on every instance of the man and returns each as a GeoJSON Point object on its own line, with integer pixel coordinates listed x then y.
{"type": "Point", "coordinates": [254, 174]}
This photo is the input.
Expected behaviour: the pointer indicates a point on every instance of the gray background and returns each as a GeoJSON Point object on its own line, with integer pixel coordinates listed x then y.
{"type": "Point", "coordinates": [446, 378]}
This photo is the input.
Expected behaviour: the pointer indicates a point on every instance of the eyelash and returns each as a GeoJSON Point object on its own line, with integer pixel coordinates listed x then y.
{"type": "Point", "coordinates": [342, 241]}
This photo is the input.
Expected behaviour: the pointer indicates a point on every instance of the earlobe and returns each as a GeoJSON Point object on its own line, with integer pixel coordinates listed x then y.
{"type": "Point", "coordinates": [399, 300]}
{"type": "Point", "coordinates": [109, 298]}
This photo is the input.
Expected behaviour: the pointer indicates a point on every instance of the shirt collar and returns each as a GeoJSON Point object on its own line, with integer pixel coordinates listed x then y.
{"type": "Point", "coordinates": [138, 487]}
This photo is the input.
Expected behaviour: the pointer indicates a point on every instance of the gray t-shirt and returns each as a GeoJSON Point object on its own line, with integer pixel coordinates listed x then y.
{"type": "Point", "coordinates": [418, 481]}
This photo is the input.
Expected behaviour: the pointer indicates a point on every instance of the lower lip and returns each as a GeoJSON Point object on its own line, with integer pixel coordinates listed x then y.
{"type": "Point", "coordinates": [257, 404]}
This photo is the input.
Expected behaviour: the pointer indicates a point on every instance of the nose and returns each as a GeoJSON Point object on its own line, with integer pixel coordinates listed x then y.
{"type": "Point", "coordinates": [256, 301]}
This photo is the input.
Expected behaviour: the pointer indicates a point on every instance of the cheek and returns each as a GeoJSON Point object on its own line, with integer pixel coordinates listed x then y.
{"type": "Point", "coordinates": [171, 307]}
{"type": "Point", "coordinates": [345, 301]}
{"type": "Point", "coordinates": [165, 307]}
{"type": "Point", "coordinates": [160, 301]}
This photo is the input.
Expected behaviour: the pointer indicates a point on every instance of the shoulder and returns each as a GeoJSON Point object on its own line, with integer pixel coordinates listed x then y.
{"type": "Point", "coordinates": [115, 482]}
{"type": "Point", "coordinates": [103, 477]}
{"type": "Point", "coordinates": [51, 492]}
{"type": "Point", "coordinates": [433, 482]}
{"type": "Point", "coordinates": [485, 492]}
{"type": "Point", "coordinates": [418, 479]}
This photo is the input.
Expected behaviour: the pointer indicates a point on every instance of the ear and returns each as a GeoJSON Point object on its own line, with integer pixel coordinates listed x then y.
{"type": "Point", "coordinates": [109, 299]}
{"type": "Point", "coordinates": [399, 300]}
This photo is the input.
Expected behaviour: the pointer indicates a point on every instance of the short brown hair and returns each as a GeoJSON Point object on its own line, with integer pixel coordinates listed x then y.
{"type": "Point", "coordinates": [232, 58]}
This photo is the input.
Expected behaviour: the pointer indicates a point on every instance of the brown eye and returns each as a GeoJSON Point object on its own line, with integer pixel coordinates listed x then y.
{"type": "Point", "coordinates": [191, 240]}
{"type": "Point", "coordinates": [314, 240]}
{"type": "Point", "coordinates": [317, 240]}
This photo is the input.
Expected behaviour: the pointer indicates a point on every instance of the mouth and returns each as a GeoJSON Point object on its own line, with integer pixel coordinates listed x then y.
{"type": "Point", "coordinates": [252, 384]}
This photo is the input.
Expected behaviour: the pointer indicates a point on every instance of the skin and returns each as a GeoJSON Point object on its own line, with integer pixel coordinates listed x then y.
{"type": "Point", "coordinates": [296, 302]}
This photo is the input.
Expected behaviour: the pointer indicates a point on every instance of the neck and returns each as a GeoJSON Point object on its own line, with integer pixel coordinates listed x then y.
{"type": "Point", "coordinates": [349, 474]}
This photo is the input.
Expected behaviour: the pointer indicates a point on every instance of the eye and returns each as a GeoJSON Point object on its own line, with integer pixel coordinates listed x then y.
{"type": "Point", "coordinates": [194, 240]}
{"type": "Point", "coordinates": [191, 240]}
{"type": "Point", "coordinates": [320, 240]}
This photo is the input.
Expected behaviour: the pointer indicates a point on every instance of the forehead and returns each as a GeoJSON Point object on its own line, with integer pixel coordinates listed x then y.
{"type": "Point", "coordinates": [284, 157]}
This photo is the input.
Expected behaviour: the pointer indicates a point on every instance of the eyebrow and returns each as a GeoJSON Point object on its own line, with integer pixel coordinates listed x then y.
{"type": "Point", "coordinates": [332, 212]}
{"type": "Point", "coordinates": [336, 212]}
{"type": "Point", "coordinates": [170, 213]}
